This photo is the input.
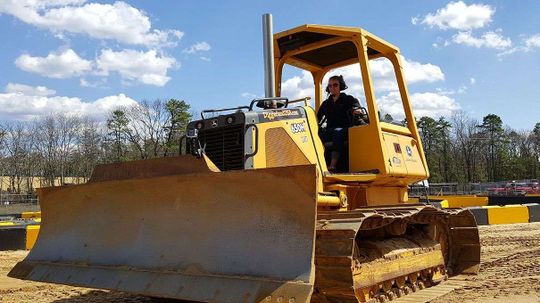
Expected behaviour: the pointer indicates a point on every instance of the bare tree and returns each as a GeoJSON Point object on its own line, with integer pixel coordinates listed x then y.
{"type": "Point", "coordinates": [2, 155]}
{"type": "Point", "coordinates": [147, 127]}
{"type": "Point", "coordinates": [68, 130]}
{"type": "Point", "coordinates": [17, 147]}
{"type": "Point", "coordinates": [55, 140]}
{"type": "Point", "coordinates": [464, 132]}
{"type": "Point", "coordinates": [154, 128]}
{"type": "Point", "coordinates": [87, 152]}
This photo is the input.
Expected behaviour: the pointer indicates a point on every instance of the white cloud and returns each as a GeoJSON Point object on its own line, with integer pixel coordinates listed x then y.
{"type": "Point", "coordinates": [31, 102]}
{"type": "Point", "coordinates": [458, 15]}
{"type": "Point", "coordinates": [448, 92]}
{"type": "Point", "coordinates": [533, 41]}
{"type": "Point", "coordinates": [198, 47]}
{"type": "Point", "coordinates": [424, 104]}
{"type": "Point", "coordinates": [207, 59]}
{"type": "Point", "coordinates": [433, 105]}
{"type": "Point", "coordinates": [97, 83]}
{"type": "Point", "coordinates": [298, 86]}
{"type": "Point", "coordinates": [29, 90]}
{"type": "Point", "coordinates": [382, 73]}
{"type": "Point", "coordinates": [144, 67]}
{"type": "Point", "coordinates": [489, 39]}
{"type": "Point", "coordinates": [247, 95]}
{"type": "Point", "coordinates": [472, 81]}
{"type": "Point", "coordinates": [527, 45]}
{"type": "Point", "coordinates": [63, 64]}
{"type": "Point", "coordinates": [417, 72]}
{"type": "Point", "coordinates": [118, 21]}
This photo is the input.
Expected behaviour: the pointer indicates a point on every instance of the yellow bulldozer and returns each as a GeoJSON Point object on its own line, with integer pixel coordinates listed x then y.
{"type": "Point", "coordinates": [251, 213]}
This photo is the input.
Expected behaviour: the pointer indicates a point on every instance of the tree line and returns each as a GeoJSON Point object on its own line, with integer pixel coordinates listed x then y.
{"type": "Point", "coordinates": [57, 147]}
{"type": "Point", "coordinates": [463, 150]}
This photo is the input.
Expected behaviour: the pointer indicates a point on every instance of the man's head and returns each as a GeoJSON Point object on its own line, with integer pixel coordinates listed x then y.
{"type": "Point", "coordinates": [335, 85]}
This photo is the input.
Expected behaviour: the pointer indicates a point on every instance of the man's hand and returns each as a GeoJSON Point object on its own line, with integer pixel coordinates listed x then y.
{"type": "Point", "coordinates": [357, 111]}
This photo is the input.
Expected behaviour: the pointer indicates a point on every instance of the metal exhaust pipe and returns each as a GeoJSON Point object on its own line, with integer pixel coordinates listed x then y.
{"type": "Point", "coordinates": [268, 49]}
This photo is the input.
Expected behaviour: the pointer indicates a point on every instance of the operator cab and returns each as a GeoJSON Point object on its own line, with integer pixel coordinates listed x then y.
{"type": "Point", "coordinates": [392, 152]}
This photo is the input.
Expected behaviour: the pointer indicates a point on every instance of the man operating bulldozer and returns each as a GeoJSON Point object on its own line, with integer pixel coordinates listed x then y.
{"type": "Point", "coordinates": [250, 213]}
{"type": "Point", "coordinates": [337, 111]}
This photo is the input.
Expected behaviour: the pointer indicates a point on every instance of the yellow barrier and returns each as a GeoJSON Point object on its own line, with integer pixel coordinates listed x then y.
{"type": "Point", "coordinates": [30, 214]}
{"type": "Point", "coordinates": [32, 232]}
{"type": "Point", "coordinates": [444, 204]}
{"type": "Point", "coordinates": [507, 214]}
{"type": "Point", "coordinates": [461, 201]}
{"type": "Point", "coordinates": [7, 223]}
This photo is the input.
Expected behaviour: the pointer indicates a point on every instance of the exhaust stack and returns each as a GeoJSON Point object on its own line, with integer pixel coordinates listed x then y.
{"type": "Point", "coordinates": [268, 49]}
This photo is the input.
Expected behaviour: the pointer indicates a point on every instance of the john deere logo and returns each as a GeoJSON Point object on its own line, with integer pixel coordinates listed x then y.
{"type": "Point", "coordinates": [409, 150]}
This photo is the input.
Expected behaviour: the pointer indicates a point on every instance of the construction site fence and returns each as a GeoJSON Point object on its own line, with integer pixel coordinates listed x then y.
{"type": "Point", "coordinates": [7, 199]}
{"type": "Point", "coordinates": [443, 189]}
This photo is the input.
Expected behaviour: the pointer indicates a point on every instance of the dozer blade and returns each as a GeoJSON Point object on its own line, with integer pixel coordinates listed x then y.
{"type": "Point", "coordinates": [236, 236]}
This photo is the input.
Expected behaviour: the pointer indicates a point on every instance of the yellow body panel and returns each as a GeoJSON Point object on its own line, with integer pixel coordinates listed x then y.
{"type": "Point", "coordinates": [348, 178]}
{"type": "Point", "coordinates": [290, 142]}
{"type": "Point", "coordinates": [396, 129]}
{"type": "Point", "coordinates": [508, 214]}
{"type": "Point", "coordinates": [281, 133]}
{"type": "Point", "coordinates": [398, 160]}
{"type": "Point", "coordinates": [362, 158]}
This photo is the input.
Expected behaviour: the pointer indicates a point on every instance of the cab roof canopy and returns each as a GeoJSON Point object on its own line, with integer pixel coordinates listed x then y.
{"type": "Point", "coordinates": [317, 47]}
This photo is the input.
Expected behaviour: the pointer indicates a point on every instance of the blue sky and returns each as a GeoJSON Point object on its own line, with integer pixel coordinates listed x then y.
{"type": "Point", "coordinates": [90, 56]}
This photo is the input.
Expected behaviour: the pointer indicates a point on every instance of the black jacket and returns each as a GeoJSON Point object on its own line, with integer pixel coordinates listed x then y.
{"type": "Point", "coordinates": [338, 113]}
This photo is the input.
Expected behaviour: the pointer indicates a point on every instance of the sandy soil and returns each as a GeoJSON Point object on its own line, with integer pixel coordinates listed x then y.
{"type": "Point", "coordinates": [510, 268]}
{"type": "Point", "coordinates": [510, 273]}
{"type": "Point", "coordinates": [17, 291]}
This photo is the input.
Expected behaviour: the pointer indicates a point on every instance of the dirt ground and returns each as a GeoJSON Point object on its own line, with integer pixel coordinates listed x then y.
{"type": "Point", "coordinates": [510, 268]}
{"type": "Point", "coordinates": [510, 273]}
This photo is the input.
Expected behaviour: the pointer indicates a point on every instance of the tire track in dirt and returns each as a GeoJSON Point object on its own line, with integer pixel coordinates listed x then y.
{"type": "Point", "coordinates": [510, 267]}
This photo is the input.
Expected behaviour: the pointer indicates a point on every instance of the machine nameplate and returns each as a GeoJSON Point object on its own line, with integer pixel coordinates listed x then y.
{"type": "Point", "coordinates": [283, 114]}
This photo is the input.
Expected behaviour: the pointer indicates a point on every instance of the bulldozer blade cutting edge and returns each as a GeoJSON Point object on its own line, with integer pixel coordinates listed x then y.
{"type": "Point", "coordinates": [236, 236]}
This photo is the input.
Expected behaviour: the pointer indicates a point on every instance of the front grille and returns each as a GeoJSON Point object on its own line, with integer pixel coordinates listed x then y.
{"type": "Point", "coordinates": [224, 146]}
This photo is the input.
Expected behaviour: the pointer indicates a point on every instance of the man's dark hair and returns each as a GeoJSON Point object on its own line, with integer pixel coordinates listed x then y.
{"type": "Point", "coordinates": [342, 84]}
